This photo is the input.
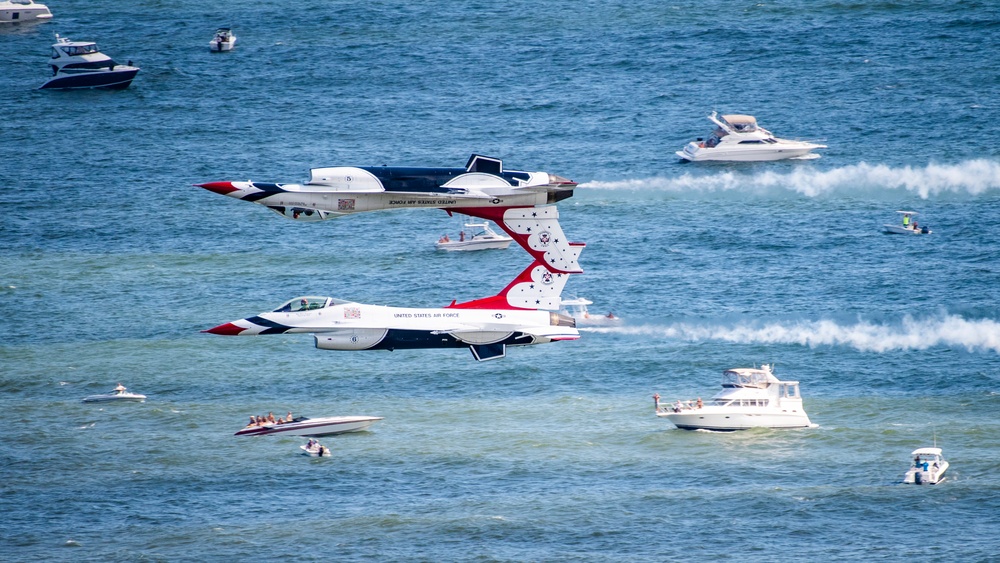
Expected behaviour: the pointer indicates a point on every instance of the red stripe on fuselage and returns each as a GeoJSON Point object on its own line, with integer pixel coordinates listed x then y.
{"type": "Point", "coordinates": [228, 329]}
{"type": "Point", "coordinates": [221, 188]}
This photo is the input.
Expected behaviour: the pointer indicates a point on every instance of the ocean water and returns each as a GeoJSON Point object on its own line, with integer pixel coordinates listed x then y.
{"type": "Point", "coordinates": [111, 263]}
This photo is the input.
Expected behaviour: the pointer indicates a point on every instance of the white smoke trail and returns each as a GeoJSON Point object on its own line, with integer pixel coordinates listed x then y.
{"type": "Point", "coordinates": [972, 177]}
{"type": "Point", "coordinates": [910, 334]}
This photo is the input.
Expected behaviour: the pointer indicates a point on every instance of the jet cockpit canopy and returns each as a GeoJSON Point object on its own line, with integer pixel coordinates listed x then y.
{"type": "Point", "coordinates": [308, 303]}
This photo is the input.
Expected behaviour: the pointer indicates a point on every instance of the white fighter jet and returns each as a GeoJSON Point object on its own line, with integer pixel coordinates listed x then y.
{"type": "Point", "coordinates": [517, 316]}
{"type": "Point", "coordinates": [519, 202]}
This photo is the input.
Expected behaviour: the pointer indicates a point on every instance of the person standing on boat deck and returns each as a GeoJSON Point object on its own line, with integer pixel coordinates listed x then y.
{"type": "Point", "coordinates": [700, 404]}
{"type": "Point", "coordinates": [461, 236]}
{"type": "Point", "coordinates": [906, 219]}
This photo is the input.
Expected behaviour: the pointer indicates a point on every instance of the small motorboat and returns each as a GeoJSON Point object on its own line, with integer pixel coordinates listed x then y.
{"type": "Point", "coordinates": [482, 238]}
{"type": "Point", "coordinates": [576, 307]}
{"type": "Point", "coordinates": [119, 394]}
{"type": "Point", "coordinates": [13, 11]}
{"type": "Point", "coordinates": [750, 398]}
{"type": "Point", "coordinates": [312, 427]}
{"type": "Point", "coordinates": [908, 226]}
{"type": "Point", "coordinates": [315, 449]}
{"type": "Point", "coordinates": [928, 467]}
{"type": "Point", "coordinates": [79, 64]}
{"type": "Point", "coordinates": [738, 138]}
{"type": "Point", "coordinates": [224, 40]}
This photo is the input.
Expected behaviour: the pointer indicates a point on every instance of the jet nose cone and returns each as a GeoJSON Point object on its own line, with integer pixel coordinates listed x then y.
{"type": "Point", "coordinates": [228, 329]}
{"type": "Point", "coordinates": [221, 188]}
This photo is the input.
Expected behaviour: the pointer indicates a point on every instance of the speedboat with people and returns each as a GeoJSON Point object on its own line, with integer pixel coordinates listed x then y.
{"type": "Point", "coordinates": [314, 427]}
{"type": "Point", "coordinates": [750, 398]}
{"type": "Point", "coordinates": [80, 64]}
{"type": "Point", "coordinates": [737, 137]}
{"type": "Point", "coordinates": [224, 40]}
{"type": "Point", "coordinates": [481, 237]}
{"type": "Point", "coordinates": [909, 226]}
{"type": "Point", "coordinates": [13, 11]}
{"type": "Point", "coordinates": [576, 307]}
{"type": "Point", "coordinates": [118, 394]}
{"type": "Point", "coordinates": [315, 449]}
{"type": "Point", "coordinates": [928, 467]}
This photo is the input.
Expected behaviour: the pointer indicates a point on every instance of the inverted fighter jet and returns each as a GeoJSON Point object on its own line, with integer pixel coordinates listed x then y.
{"type": "Point", "coordinates": [520, 202]}
{"type": "Point", "coordinates": [514, 317]}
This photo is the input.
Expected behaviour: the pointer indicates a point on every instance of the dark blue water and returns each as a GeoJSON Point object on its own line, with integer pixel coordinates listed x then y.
{"type": "Point", "coordinates": [111, 264]}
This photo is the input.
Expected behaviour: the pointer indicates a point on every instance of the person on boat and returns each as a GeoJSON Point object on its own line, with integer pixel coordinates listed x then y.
{"type": "Point", "coordinates": [656, 401]}
{"type": "Point", "coordinates": [700, 404]}
{"type": "Point", "coordinates": [906, 220]}
{"type": "Point", "coordinates": [444, 238]}
{"type": "Point", "coordinates": [915, 226]}
{"type": "Point", "coordinates": [120, 389]}
{"type": "Point", "coordinates": [253, 421]}
{"type": "Point", "coordinates": [461, 236]}
{"type": "Point", "coordinates": [270, 417]}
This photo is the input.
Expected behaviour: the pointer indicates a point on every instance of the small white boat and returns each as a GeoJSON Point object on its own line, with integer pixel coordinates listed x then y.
{"type": "Point", "coordinates": [315, 449]}
{"type": "Point", "coordinates": [79, 64]}
{"type": "Point", "coordinates": [750, 398]}
{"type": "Point", "coordinates": [482, 237]}
{"type": "Point", "coordinates": [576, 307]}
{"type": "Point", "coordinates": [928, 467]}
{"type": "Point", "coordinates": [908, 226]}
{"type": "Point", "coordinates": [224, 40]}
{"type": "Point", "coordinates": [119, 394]}
{"type": "Point", "coordinates": [737, 137]}
{"type": "Point", "coordinates": [13, 11]}
{"type": "Point", "coordinates": [313, 427]}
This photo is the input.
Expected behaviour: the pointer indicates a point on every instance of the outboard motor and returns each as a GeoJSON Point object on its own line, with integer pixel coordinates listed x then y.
{"type": "Point", "coordinates": [925, 230]}
{"type": "Point", "coordinates": [918, 477]}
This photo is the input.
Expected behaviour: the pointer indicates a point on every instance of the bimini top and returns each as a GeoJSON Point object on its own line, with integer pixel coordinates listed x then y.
{"type": "Point", "coordinates": [741, 123]}
{"type": "Point", "coordinates": [308, 303]}
{"type": "Point", "coordinates": [749, 377]}
{"type": "Point", "coordinates": [927, 451]}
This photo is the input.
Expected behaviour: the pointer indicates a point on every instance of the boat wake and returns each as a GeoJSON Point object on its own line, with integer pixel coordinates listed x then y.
{"type": "Point", "coordinates": [971, 177]}
{"type": "Point", "coordinates": [982, 335]}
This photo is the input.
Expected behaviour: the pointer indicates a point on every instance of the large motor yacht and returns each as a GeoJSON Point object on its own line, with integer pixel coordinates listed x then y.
{"type": "Point", "coordinates": [739, 138]}
{"type": "Point", "coordinates": [750, 398]}
{"type": "Point", "coordinates": [13, 11]}
{"type": "Point", "coordinates": [79, 64]}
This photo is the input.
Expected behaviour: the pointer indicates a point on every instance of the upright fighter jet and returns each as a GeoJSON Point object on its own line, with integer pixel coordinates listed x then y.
{"type": "Point", "coordinates": [514, 317]}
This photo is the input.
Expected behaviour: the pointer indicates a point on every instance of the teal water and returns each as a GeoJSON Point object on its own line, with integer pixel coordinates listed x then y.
{"type": "Point", "coordinates": [111, 264]}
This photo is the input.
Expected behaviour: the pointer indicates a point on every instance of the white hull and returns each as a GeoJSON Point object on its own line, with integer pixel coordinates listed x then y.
{"type": "Point", "coordinates": [321, 451]}
{"type": "Point", "coordinates": [224, 46]}
{"type": "Point", "coordinates": [711, 418]}
{"type": "Point", "coordinates": [930, 477]}
{"type": "Point", "coordinates": [772, 152]}
{"type": "Point", "coordinates": [115, 397]}
{"type": "Point", "coordinates": [474, 244]}
{"type": "Point", "coordinates": [901, 230]}
{"type": "Point", "coordinates": [313, 427]}
{"type": "Point", "coordinates": [14, 13]}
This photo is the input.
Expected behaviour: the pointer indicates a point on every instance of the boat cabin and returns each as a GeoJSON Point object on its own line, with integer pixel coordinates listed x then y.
{"type": "Point", "coordinates": [740, 123]}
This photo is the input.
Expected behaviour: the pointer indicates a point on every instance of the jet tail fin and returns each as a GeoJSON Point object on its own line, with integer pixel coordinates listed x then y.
{"type": "Point", "coordinates": [535, 288]}
{"type": "Point", "coordinates": [483, 352]}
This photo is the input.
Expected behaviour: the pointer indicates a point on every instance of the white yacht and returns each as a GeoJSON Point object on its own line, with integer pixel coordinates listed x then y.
{"type": "Point", "coordinates": [576, 307]}
{"type": "Point", "coordinates": [79, 64]}
{"type": "Point", "coordinates": [909, 226]}
{"type": "Point", "coordinates": [738, 138]}
{"type": "Point", "coordinates": [13, 11]}
{"type": "Point", "coordinates": [480, 237]}
{"type": "Point", "coordinates": [224, 40]}
{"type": "Point", "coordinates": [750, 398]}
{"type": "Point", "coordinates": [928, 467]}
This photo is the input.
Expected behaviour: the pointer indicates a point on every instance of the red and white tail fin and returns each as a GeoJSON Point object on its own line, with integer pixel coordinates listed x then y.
{"type": "Point", "coordinates": [535, 288]}
{"type": "Point", "coordinates": [538, 231]}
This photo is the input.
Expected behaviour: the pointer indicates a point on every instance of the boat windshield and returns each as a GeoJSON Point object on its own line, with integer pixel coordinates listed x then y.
{"type": "Point", "coordinates": [76, 50]}
{"type": "Point", "coordinates": [307, 303]}
{"type": "Point", "coordinates": [744, 378]}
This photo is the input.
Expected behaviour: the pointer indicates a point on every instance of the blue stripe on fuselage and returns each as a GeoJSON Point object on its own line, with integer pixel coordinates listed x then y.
{"type": "Point", "coordinates": [273, 327]}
